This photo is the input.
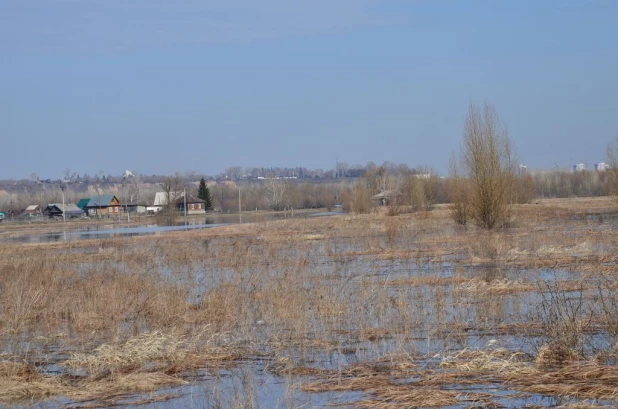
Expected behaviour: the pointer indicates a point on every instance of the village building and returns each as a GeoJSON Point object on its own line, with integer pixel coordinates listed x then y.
{"type": "Point", "coordinates": [385, 198]}
{"type": "Point", "coordinates": [83, 202]}
{"type": "Point", "coordinates": [32, 210]}
{"type": "Point", "coordinates": [68, 210]}
{"type": "Point", "coordinates": [160, 200]}
{"type": "Point", "coordinates": [104, 205]}
{"type": "Point", "coordinates": [194, 205]}
{"type": "Point", "coordinates": [135, 207]}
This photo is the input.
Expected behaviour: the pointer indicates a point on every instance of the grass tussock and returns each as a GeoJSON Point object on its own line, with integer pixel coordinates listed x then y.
{"type": "Point", "coordinates": [144, 363]}
{"type": "Point", "coordinates": [499, 360]}
{"type": "Point", "coordinates": [587, 380]}
{"type": "Point", "coordinates": [134, 353]}
{"type": "Point", "coordinates": [396, 397]}
{"type": "Point", "coordinates": [20, 382]}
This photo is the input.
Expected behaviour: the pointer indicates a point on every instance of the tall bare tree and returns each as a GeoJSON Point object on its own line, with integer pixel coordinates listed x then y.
{"type": "Point", "coordinates": [490, 166]}
{"type": "Point", "coordinates": [69, 175]}
{"type": "Point", "coordinates": [276, 193]}
{"type": "Point", "coordinates": [135, 187]}
{"type": "Point", "coordinates": [172, 186]}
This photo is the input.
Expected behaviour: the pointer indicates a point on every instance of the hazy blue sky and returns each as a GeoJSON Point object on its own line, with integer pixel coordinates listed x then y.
{"type": "Point", "coordinates": [161, 86]}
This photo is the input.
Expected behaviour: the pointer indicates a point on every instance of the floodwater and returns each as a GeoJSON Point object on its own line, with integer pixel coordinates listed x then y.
{"type": "Point", "coordinates": [211, 220]}
{"type": "Point", "coordinates": [424, 323]}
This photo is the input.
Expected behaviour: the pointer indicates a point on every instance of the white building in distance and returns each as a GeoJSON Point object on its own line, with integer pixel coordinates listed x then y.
{"type": "Point", "coordinates": [601, 166]}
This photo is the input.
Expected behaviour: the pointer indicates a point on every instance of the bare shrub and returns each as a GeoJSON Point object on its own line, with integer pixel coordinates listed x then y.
{"type": "Point", "coordinates": [564, 317]}
{"type": "Point", "coordinates": [392, 228]}
{"type": "Point", "coordinates": [360, 200]}
{"type": "Point", "coordinates": [612, 172]}
{"type": "Point", "coordinates": [458, 189]}
{"type": "Point", "coordinates": [523, 189]}
{"type": "Point", "coordinates": [489, 165]}
{"type": "Point", "coordinates": [418, 199]}
{"type": "Point", "coordinates": [172, 187]}
{"type": "Point", "coordinates": [395, 205]}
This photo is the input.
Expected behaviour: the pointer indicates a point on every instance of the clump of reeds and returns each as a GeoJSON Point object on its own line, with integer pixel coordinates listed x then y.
{"type": "Point", "coordinates": [496, 286]}
{"type": "Point", "coordinates": [587, 380]}
{"type": "Point", "coordinates": [497, 360]}
{"type": "Point", "coordinates": [556, 354]}
{"type": "Point", "coordinates": [143, 363]}
{"type": "Point", "coordinates": [406, 396]}
{"type": "Point", "coordinates": [20, 382]}
{"type": "Point", "coordinates": [135, 353]}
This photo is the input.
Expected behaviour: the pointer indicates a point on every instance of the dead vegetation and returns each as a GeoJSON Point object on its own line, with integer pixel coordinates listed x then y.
{"type": "Point", "coordinates": [395, 308]}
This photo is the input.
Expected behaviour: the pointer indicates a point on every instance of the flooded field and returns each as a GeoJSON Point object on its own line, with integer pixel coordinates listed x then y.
{"type": "Point", "coordinates": [358, 311]}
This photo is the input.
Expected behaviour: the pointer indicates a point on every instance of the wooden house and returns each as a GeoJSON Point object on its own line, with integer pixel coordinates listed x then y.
{"type": "Point", "coordinates": [104, 205]}
{"type": "Point", "coordinates": [194, 205]}
{"type": "Point", "coordinates": [32, 210]}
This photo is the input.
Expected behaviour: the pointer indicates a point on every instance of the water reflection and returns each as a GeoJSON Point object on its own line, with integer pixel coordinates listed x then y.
{"type": "Point", "coordinates": [210, 221]}
{"type": "Point", "coordinates": [102, 232]}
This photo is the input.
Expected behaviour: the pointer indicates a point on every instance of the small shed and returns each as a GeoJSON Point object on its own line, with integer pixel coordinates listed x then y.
{"type": "Point", "coordinates": [385, 198]}
{"type": "Point", "coordinates": [69, 210]}
{"type": "Point", "coordinates": [135, 207]}
{"type": "Point", "coordinates": [32, 210]}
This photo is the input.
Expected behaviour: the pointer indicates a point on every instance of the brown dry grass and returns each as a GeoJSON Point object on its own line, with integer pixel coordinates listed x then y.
{"type": "Point", "coordinates": [292, 291]}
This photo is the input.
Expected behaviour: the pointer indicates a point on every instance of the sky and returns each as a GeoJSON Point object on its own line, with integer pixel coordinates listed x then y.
{"type": "Point", "coordinates": [162, 86]}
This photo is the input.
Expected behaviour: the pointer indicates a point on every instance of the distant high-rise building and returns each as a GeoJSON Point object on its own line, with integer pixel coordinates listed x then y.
{"type": "Point", "coordinates": [601, 166]}
{"type": "Point", "coordinates": [579, 167]}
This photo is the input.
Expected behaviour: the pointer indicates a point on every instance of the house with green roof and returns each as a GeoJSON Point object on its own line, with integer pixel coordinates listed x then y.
{"type": "Point", "coordinates": [83, 202]}
{"type": "Point", "coordinates": [103, 205]}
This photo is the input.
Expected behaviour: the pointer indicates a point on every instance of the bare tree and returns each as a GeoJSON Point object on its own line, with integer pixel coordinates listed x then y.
{"type": "Point", "coordinates": [342, 168]}
{"type": "Point", "coordinates": [234, 172]}
{"type": "Point", "coordinates": [458, 193]}
{"type": "Point", "coordinates": [276, 193]}
{"type": "Point", "coordinates": [612, 172]}
{"type": "Point", "coordinates": [490, 166]}
{"type": "Point", "coordinates": [69, 175]}
{"type": "Point", "coordinates": [360, 199]}
{"type": "Point", "coordinates": [135, 188]}
{"type": "Point", "coordinates": [172, 186]}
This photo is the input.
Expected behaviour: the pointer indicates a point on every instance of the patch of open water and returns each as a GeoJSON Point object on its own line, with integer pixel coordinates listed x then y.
{"type": "Point", "coordinates": [106, 232]}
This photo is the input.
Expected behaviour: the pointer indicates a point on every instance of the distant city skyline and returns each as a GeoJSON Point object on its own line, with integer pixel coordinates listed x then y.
{"type": "Point", "coordinates": [164, 87]}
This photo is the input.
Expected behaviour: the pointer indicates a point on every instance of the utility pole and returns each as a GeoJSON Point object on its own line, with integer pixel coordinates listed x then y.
{"type": "Point", "coordinates": [185, 197]}
{"type": "Point", "coordinates": [64, 211]}
{"type": "Point", "coordinates": [239, 207]}
{"type": "Point", "coordinates": [124, 198]}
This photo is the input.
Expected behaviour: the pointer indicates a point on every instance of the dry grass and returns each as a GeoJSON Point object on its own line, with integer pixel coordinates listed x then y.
{"type": "Point", "coordinates": [134, 353]}
{"type": "Point", "coordinates": [143, 363]}
{"type": "Point", "coordinates": [586, 380]}
{"type": "Point", "coordinates": [395, 397]}
{"type": "Point", "coordinates": [308, 296]}
{"type": "Point", "coordinates": [498, 360]}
